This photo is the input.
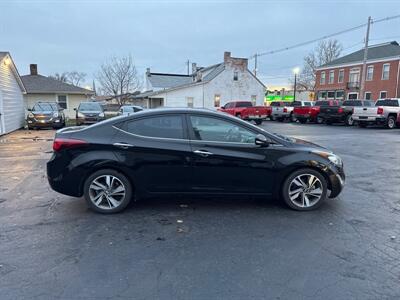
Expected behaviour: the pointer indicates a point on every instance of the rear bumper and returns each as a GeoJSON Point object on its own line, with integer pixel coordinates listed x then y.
{"type": "Point", "coordinates": [370, 119]}
{"type": "Point", "coordinates": [333, 117]}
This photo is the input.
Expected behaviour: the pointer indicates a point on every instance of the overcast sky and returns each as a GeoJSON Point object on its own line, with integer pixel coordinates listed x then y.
{"type": "Point", "coordinates": [79, 35]}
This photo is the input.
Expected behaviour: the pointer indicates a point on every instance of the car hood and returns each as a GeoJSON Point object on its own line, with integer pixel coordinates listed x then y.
{"type": "Point", "coordinates": [295, 142]}
{"type": "Point", "coordinates": [44, 112]}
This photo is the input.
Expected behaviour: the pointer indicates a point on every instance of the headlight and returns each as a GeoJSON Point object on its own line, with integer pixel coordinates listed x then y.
{"type": "Point", "coordinates": [101, 115]}
{"type": "Point", "coordinates": [30, 115]}
{"type": "Point", "coordinates": [81, 115]}
{"type": "Point", "coordinates": [333, 158]}
{"type": "Point", "coordinates": [55, 115]}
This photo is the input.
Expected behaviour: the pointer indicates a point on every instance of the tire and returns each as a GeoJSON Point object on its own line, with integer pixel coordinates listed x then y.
{"type": "Point", "coordinates": [349, 120]}
{"type": "Point", "coordinates": [238, 116]}
{"type": "Point", "coordinates": [273, 118]}
{"type": "Point", "coordinates": [292, 118]}
{"type": "Point", "coordinates": [319, 120]}
{"type": "Point", "coordinates": [362, 124]}
{"type": "Point", "coordinates": [303, 121]}
{"type": "Point", "coordinates": [297, 201]}
{"type": "Point", "coordinates": [258, 122]}
{"type": "Point", "coordinates": [391, 122]}
{"type": "Point", "coordinates": [91, 191]}
{"type": "Point", "coordinates": [328, 122]}
{"type": "Point", "coordinates": [280, 119]}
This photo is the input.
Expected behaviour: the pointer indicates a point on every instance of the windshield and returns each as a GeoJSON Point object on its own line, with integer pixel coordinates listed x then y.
{"type": "Point", "coordinates": [90, 106]}
{"type": "Point", "coordinates": [45, 107]}
{"type": "Point", "coordinates": [244, 104]}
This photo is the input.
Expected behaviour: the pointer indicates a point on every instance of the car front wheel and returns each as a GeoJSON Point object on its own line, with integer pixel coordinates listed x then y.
{"type": "Point", "coordinates": [107, 191]}
{"type": "Point", "coordinates": [305, 189]}
{"type": "Point", "coordinates": [391, 122]}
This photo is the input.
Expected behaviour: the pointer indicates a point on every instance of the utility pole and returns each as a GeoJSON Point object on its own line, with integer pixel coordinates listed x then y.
{"type": "Point", "coordinates": [255, 64]}
{"type": "Point", "coordinates": [187, 63]}
{"type": "Point", "coordinates": [364, 68]}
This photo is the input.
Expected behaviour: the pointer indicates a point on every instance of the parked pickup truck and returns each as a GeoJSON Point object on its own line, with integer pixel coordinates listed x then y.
{"type": "Point", "coordinates": [385, 112]}
{"type": "Point", "coordinates": [284, 111]}
{"type": "Point", "coordinates": [246, 111]}
{"type": "Point", "coordinates": [342, 113]}
{"type": "Point", "coordinates": [311, 113]}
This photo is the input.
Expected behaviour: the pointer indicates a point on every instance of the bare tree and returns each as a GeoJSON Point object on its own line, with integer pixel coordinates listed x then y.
{"type": "Point", "coordinates": [118, 77]}
{"type": "Point", "coordinates": [63, 77]}
{"type": "Point", "coordinates": [325, 52]}
{"type": "Point", "coordinates": [76, 78]}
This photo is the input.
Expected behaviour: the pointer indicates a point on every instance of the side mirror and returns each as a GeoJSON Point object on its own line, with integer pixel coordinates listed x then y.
{"type": "Point", "coordinates": [29, 109]}
{"type": "Point", "coordinates": [75, 109]}
{"type": "Point", "coordinates": [261, 140]}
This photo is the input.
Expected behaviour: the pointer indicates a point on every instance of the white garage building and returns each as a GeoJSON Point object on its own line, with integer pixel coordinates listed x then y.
{"type": "Point", "coordinates": [12, 108]}
{"type": "Point", "coordinates": [208, 87]}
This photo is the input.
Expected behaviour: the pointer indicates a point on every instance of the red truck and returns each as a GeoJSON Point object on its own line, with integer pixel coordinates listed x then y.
{"type": "Point", "coordinates": [246, 111]}
{"type": "Point", "coordinates": [311, 113]}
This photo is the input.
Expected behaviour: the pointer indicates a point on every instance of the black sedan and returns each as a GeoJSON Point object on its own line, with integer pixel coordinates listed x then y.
{"type": "Point", "coordinates": [188, 151]}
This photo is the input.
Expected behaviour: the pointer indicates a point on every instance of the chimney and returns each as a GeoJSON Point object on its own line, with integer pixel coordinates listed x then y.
{"type": "Point", "coordinates": [227, 56]}
{"type": "Point", "coordinates": [148, 72]}
{"type": "Point", "coordinates": [194, 68]}
{"type": "Point", "coordinates": [33, 68]}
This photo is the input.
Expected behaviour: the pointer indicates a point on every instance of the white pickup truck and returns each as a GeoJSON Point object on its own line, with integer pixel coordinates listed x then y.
{"type": "Point", "coordinates": [386, 112]}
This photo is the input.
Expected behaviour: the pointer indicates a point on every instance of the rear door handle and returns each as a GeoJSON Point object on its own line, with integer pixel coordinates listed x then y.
{"type": "Point", "coordinates": [123, 145]}
{"type": "Point", "coordinates": [202, 153]}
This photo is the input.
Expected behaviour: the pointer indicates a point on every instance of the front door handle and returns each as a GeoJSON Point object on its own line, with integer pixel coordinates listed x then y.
{"type": "Point", "coordinates": [123, 145]}
{"type": "Point", "coordinates": [202, 153]}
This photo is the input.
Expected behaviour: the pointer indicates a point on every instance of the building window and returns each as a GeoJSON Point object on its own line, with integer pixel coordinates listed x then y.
{"type": "Point", "coordinates": [385, 71]}
{"type": "Point", "coordinates": [339, 94]}
{"type": "Point", "coordinates": [322, 79]}
{"type": "Point", "coordinates": [370, 73]}
{"type": "Point", "coordinates": [331, 94]}
{"type": "Point", "coordinates": [367, 96]}
{"type": "Point", "coordinates": [235, 76]}
{"type": "Point", "coordinates": [341, 76]}
{"type": "Point", "coordinates": [331, 77]}
{"type": "Point", "coordinates": [321, 95]}
{"type": "Point", "coordinates": [189, 101]}
{"type": "Point", "coordinates": [254, 100]}
{"type": "Point", "coordinates": [354, 75]}
{"type": "Point", "coordinates": [62, 101]}
{"type": "Point", "coordinates": [382, 95]}
{"type": "Point", "coordinates": [352, 96]}
{"type": "Point", "coordinates": [217, 100]}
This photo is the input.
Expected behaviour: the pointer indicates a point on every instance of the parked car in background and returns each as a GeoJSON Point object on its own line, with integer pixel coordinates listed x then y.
{"type": "Point", "coordinates": [189, 151]}
{"type": "Point", "coordinates": [89, 113]}
{"type": "Point", "coordinates": [385, 112]}
{"type": "Point", "coordinates": [245, 110]}
{"type": "Point", "coordinates": [285, 112]}
{"type": "Point", "coordinates": [311, 113]}
{"type": "Point", "coordinates": [342, 113]}
{"type": "Point", "coordinates": [45, 114]}
{"type": "Point", "coordinates": [127, 110]}
{"type": "Point", "coordinates": [274, 106]}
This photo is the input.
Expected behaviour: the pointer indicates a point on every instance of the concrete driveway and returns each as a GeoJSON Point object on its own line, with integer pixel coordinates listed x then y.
{"type": "Point", "coordinates": [53, 247]}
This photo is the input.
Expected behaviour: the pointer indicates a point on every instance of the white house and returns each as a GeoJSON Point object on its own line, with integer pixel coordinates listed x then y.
{"type": "Point", "coordinates": [208, 87]}
{"type": "Point", "coordinates": [43, 88]}
{"type": "Point", "coordinates": [12, 112]}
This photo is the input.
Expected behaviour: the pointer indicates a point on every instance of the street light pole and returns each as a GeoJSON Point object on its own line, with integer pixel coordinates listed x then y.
{"type": "Point", "coordinates": [295, 85]}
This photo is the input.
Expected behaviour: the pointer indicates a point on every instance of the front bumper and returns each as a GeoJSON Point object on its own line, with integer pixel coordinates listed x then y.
{"type": "Point", "coordinates": [53, 122]}
{"type": "Point", "coordinates": [89, 120]}
{"type": "Point", "coordinates": [337, 180]}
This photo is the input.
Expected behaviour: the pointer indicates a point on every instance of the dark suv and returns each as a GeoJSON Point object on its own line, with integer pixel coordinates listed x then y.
{"type": "Point", "coordinates": [45, 114]}
{"type": "Point", "coordinates": [89, 113]}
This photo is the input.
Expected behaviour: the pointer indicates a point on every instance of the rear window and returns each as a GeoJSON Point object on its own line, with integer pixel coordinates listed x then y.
{"type": "Point", "coordinates": [244, 104]}
{"type": "Point", "coordinates": [296, 103]}
{"type": "Point", "coordinates": [387, 102]}
{"type": "Point", "coordinates": [352, 103]}
{"type": "Point", "coordinates": [320, 103]}
{"type": "Point", "coordinates": [170, 126]}
{"type": "Point", "coordinates": [276, 103]}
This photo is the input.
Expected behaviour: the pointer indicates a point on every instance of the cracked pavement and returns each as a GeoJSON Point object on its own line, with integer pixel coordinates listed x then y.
{"type": "Point", "coordinates": [53, 247]}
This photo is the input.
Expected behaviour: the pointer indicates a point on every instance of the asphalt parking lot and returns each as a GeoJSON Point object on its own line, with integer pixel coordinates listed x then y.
{"type": "Point", "coordinates": [53, 247]}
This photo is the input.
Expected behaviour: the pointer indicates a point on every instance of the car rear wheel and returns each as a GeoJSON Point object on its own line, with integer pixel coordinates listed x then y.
{"type": "Point", "coordinates": [303, 121]}
{"type": "Point", "coordinates": [258, 122]}
{"type": "Point", "coordinates": [349, 120]}
{"type": "Point", "coordinates": [391, 122]}
{"type": "Point", "coordinates": [292, 118]}
{"type": "Point", "coordinates": [305, 189]}
{"type": "Point", "coordinates": [107, 191]}
{"type": "Point", "coordinates": [319, 120]}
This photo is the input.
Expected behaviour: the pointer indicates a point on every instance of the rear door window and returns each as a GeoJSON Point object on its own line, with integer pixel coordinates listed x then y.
{"type": "Point", "coordinates": [167, 126]}
{"type": "Point", "coordinates": [387, 102]}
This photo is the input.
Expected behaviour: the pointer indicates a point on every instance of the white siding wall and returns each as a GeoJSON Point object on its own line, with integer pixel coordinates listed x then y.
{"type": "Point", "coordinates": [222, 85]}
{"type": "Point", "coordinates": [13, 101]}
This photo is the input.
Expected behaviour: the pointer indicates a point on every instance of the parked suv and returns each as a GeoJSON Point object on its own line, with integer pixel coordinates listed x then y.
{"type": "Point", "coordinates": [45, 114]}
{"type": "Point", "coordinates": [342, 113]}
{"type": "Point", "coordinates": [285, 112]}
{"type": "Point", "coordinates": [89, 113]}
{"type": "Point", "coordinates": [385, 113]}
{"type": "Point", "coordinates": [127, 110]}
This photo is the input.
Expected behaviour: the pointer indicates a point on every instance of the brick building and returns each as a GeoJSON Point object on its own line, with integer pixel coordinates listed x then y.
{"type": "Point", "coordinates": [341, 78]}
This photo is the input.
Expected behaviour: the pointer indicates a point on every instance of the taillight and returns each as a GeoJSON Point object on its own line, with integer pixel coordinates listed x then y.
{"type": "Point", "coordinates": [60, 143]}
{"type": "Point", "coordinates": [380, 111]}
{"type": "Point", "coordinates": [284, 109]}
{"type": "Point", "coordinates": [340, 110]}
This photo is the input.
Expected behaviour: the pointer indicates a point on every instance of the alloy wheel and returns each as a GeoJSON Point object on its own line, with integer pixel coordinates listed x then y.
{"type": "Point", "coordinates": [391, 123]}
{"type": "Point", "coordinates": [350, 121]}
{"type": "Point", "coordinates": [305, 190]}
{"type": "Point", "coordinates": [107, 192]}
